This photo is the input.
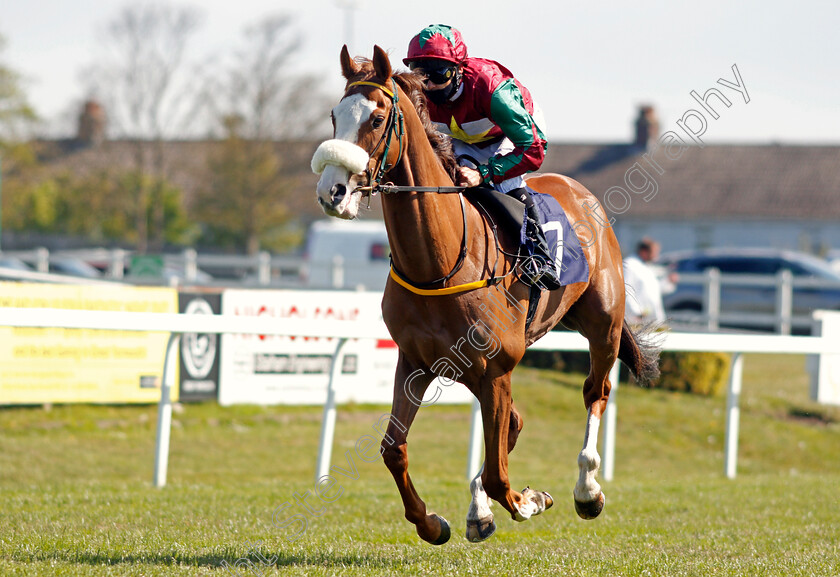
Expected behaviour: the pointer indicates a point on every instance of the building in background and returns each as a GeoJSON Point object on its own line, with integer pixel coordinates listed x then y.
{"type": "Point", "coordinates": [719, 195]}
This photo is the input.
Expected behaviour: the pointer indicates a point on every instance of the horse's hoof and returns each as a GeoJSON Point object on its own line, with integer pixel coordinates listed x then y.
{"type": "Point", "coordinates": [549, 501]}
{"type": "Point", "coordinates": [541, 499]}
{"type": "Point", "coordinates": [590, 509]}
{"type": "Point", "coordinates": [478, 531]}
{"type": "Point", "coordinates": [445, 532]}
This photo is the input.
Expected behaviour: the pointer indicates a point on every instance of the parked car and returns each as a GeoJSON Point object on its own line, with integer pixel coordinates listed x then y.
{"type": "Point", "coordinates": [822, 292]}
{"type": "Point", "coordinates": [73, 267]}
{"type": "Point", "coordinates": [14, 263]}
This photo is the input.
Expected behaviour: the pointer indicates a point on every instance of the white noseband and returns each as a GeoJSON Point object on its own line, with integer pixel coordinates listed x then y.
{"type": "Point", "coordinates": [340, 153]}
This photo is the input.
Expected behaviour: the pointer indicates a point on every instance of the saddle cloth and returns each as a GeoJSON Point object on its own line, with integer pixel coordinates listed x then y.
{"type": "Point", "coordinates": [564, 246]}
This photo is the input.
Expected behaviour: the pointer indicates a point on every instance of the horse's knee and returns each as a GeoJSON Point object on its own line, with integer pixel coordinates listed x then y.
{"type": "Point", "coordinates": [395, 456]}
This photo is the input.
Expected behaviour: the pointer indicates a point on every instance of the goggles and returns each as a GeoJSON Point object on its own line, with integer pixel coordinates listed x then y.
{"type": "Point", "coordinates": [437, 73]}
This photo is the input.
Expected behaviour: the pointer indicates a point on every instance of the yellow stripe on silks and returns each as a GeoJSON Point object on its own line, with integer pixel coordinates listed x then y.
{"type": "Point", "coordinates": [459, 133]}
{"type": "Point", "coordinates": [375, 85]}
{"type": "Point", "coordinates": [442, 291]}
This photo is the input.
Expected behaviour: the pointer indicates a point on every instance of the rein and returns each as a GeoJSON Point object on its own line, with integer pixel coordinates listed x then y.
{"type": "Point", "coordinates": [396, 125]}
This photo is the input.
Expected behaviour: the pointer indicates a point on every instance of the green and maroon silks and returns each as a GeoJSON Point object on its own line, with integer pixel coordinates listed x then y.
{"type": "Point", "coordinates": [492, 105]}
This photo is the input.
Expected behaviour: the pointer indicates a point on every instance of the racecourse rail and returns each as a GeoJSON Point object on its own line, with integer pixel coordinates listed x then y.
{"type": "Point", "coordinates": [178, 324]}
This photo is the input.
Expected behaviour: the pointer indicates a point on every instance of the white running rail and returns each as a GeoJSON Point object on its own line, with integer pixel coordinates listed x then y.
{"type": "Point", "coordinates": [178, 324]}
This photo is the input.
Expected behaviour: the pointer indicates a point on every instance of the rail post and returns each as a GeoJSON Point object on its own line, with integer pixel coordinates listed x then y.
{"type": "Point", "coordinates": [784, 302]}
{"type": "Point", "coordinates": [711, 299]}
{"type": "Point", "coordinates": [476, 440]}
{"type": "Point", "coordinates": [264, 268]}
{"type": "Point", "coordinates": [733, 415]}
{"type": "Point", "coordinates": [609, 416]}
{"type": "Point", "coordinates": [190, 265]}
{"type": "Point", "coordinates": [328, 421]}
{"type": "Point", "coordinates": [164, 424]}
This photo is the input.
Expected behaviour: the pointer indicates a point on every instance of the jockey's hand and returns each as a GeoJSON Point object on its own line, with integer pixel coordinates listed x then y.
{"type": "Point", "coordinates": [468, 176]}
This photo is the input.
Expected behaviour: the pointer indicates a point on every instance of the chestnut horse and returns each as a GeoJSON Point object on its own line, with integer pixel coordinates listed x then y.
{"type": "Point", "coordinates": [462, 330]}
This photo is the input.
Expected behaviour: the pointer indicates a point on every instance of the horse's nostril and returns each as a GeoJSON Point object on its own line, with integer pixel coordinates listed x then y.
{"type": "Point", "coordinates": [337, 192]}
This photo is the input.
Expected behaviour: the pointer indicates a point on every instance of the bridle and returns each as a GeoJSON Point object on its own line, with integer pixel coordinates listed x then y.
{"type": "Point", "coordinates": [395, 125]}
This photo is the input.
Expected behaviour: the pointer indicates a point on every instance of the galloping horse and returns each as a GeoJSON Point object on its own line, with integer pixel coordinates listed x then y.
{"type": "Point", "coordinates": [472, 327]}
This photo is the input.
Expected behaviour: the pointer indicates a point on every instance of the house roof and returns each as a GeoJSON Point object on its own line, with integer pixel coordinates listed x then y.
{"type": "Point", "coordinates": [716, 181]}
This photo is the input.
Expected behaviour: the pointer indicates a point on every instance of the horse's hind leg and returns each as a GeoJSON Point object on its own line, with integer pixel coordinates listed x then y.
{"type": "Point", "coordinates": [603, 351]}
{"type": "Point", "coordinates": [409, 387]}
{"type": "Point", "coordinates": [496, 413]}
{"type": "Point", "coordinates": [480, 524]}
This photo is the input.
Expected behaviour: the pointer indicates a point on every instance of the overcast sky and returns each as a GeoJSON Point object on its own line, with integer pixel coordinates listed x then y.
{"type": "Point", "coordinates": [589, 65]}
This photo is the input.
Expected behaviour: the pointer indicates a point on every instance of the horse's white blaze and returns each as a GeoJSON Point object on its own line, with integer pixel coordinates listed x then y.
{"type": "Point", "coordinates": [587, 488]}
{"type": "Point", "coordinates": [480, 504]}
{"type": "Point", "coordinates": [350, 114]}
{"type": "Point", "coordinates": [339, 163]}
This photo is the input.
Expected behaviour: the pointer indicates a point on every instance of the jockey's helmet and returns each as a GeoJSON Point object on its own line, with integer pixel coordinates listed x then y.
{"type": "Point", "coordinates": [439, 42]}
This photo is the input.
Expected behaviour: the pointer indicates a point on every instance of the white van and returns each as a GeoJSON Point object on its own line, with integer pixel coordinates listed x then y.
{"type": "Point", "coordinates": [347, 254]}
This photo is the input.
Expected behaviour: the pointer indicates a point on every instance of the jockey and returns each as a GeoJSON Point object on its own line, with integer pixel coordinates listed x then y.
{"type": "Point", "coordinates": [493, 122]}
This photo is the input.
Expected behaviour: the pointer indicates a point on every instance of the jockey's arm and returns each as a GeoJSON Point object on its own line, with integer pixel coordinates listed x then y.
{"type": "Point", "coordinates": [508, 112]}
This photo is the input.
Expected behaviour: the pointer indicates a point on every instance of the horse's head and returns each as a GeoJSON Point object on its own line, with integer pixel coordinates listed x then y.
{"type": "Point", "coordinates": [365, 136]}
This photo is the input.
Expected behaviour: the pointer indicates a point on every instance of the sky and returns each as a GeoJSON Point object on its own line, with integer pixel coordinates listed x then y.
{"type": "Point", "coordinates": [589, 65]}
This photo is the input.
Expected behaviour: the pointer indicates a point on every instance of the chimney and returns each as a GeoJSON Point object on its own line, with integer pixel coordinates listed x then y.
{"type": "Point", "coordinates": [92, 123]}
{"type": "Point", "coordinates": [647, 127]}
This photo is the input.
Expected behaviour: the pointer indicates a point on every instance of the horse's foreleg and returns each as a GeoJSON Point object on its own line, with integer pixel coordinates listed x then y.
{"type": "Point", "coordinates": [409, 388]}
{"type": "Point", "coordinates": [589, 499]}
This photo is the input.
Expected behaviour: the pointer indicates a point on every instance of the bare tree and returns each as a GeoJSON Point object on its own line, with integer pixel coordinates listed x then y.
{"type": "Point", "coordinates": [143, 79]}
{"type": "Point", "coordinates": [260, 86]}
{"type": "Point", "coordinates": [259, 101]}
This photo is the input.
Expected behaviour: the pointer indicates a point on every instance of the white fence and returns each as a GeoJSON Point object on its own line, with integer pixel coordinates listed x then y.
{"type": "Point", "coordinates": [784, 287]}
{"type": "Point", "coordinates": [178, 324]}
{"type": "Point", "coordinates": [258, 270]}
{"type": "Point", "coordinates": [285, 271]}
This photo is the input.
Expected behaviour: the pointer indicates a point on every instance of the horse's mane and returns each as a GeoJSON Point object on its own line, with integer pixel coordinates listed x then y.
{"type": "Point", "coordinates": [412, 84]}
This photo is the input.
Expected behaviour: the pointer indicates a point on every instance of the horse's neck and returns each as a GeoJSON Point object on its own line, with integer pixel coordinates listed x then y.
{"type": "Point", "coordinates": [425, 230]}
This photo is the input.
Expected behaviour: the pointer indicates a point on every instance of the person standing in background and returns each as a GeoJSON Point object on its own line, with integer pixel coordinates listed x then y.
{"type": "Point", "coordinates": [643, 302]}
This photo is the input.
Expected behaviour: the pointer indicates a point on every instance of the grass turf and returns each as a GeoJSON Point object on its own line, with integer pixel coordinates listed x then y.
{"type": "Point", "coordinates": [77, 499]}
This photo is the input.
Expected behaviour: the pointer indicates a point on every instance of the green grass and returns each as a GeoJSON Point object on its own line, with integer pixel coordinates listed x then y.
{"type": "Point", "coordinates": [76, 496]}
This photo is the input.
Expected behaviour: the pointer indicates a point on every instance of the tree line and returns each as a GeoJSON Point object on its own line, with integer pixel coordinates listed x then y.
{"type": "Point", "coordinates": [244, 101]}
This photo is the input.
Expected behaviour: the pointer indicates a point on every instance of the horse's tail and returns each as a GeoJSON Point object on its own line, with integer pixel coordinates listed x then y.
{"type": "Point", "coordinates": [639, 350]}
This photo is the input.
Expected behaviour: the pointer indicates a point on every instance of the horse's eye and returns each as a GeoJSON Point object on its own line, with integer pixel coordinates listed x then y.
{"type": "Point", "coordinates": [377, 121]}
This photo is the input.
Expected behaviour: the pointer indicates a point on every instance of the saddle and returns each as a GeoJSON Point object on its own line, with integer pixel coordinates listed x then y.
{"type": "Point", "coordinates": [504, 210]}
{"type": "Point", "coordinates": [508, 213]}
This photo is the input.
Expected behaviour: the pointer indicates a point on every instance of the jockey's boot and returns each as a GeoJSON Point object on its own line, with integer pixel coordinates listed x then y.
{"type": "Point", "coordinates": [540, 268]}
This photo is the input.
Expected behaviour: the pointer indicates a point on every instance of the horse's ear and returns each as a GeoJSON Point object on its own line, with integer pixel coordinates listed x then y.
{"type": "Point", "coordinates": [349, 68]}
{"type": "Point", "coordinates": [381, 63]}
